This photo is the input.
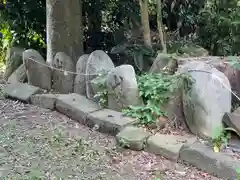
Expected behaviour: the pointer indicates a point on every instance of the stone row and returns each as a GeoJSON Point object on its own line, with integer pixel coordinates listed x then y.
{"type": "Point", "coordinates": [187, 149]}
{"type": "Point", "coordinates": [200, 110]}
{"type": "Point", "coordinates": [90, 75]}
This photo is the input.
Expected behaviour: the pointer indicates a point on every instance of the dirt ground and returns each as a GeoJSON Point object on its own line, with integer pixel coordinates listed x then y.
{"type": "Point", "coordinates": [40, 144]}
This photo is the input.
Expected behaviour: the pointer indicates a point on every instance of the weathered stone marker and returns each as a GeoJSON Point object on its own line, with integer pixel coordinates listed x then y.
{"type": "Point", "coordinates": [38, 73]}
{"type": "Point", "coordinates": [122, 88]}
{"type": "Point", "coordinates": [98, 62]}
{"type": "Point", "coordinates": [63, 80]}
{"type": "Point", "coordinates": [80, 79]}
{"type": "Point", "coordinates": [208, 100]}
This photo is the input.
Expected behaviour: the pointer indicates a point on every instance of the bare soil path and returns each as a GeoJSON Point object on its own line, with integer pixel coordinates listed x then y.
{"type": "Point", "coordinates": [39, 144]}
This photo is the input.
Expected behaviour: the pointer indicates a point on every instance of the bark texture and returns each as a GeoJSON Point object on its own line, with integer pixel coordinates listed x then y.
{"type": "Point", "coordinates": [145, 22]}
{"type": "Point", "coordinates": [64, 28]}
{"type": "Point", "coordinates": [160, 25]}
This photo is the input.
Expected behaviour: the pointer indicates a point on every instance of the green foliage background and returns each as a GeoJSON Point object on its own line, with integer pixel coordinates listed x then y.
{"type": "Point", "coordinates": [214, 23]}
{"type": "Point", "coordinates": [219, 25]}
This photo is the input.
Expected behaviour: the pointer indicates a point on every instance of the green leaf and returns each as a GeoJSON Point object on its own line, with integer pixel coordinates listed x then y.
{"type": "Point", "coordinates": [238, 170]}
{"type": "Point", "coordinates": [217, 132]}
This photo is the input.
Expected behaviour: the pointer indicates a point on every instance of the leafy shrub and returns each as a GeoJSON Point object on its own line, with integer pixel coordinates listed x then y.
{"type": "Point", "coordinates": [220, 137]}
{"type": "Point", "coordinates": [238, 172]}
{"type": "Point", "coordinates": [99, 85]}
{"type": "Point", "coordinates": [219, 25]}
{"type": "Point", "coordinates": [155, 90]}
{"type": "Point", "coordinates": [6, 40]}
{"type": "Point", "coordinates": [23, 23]}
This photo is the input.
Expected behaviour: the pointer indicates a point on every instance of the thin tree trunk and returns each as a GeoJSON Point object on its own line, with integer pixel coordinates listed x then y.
{"type": "Point", "coordinates": [145, 22]}
{"type": "Point", "coordinates": [64, 28]}
{"type": "Point", "coordinates": [160, 25]}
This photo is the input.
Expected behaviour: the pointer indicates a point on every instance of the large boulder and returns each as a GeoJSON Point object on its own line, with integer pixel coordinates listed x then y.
{"type": "Point", "coordinates": [38, 73]}
{"type": "Point", "coordinates": [62, 78]}
{"type": "Point", "coordinates": [80, 82]}
{"type": "Point", "coordinates": [98, 62]}
{"type": "Point", "coordinates": [13, 60]}
{"type": "Point", "coordinates": [122, 88]}
{"type": "Point", "coordinates": [221, 64]}
{"type": "Point", "coordinates": [233, 74]}
{"type": "Point", "coordinates": [208, 99]}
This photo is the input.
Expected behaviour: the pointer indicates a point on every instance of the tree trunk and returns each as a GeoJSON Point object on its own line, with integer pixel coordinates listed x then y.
{"type": "Point", "coordinates": [145, 22]}
{"type": "Point", "coordinates": [64, 28]}
{"type": "Point", "coordinates": [160, 25]}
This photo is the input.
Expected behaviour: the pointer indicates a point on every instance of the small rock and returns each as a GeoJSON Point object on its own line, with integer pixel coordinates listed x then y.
{"type": "Point", "coordinates": [132, 137]}
{"type": "Point", "coordinates": [180, 169]}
